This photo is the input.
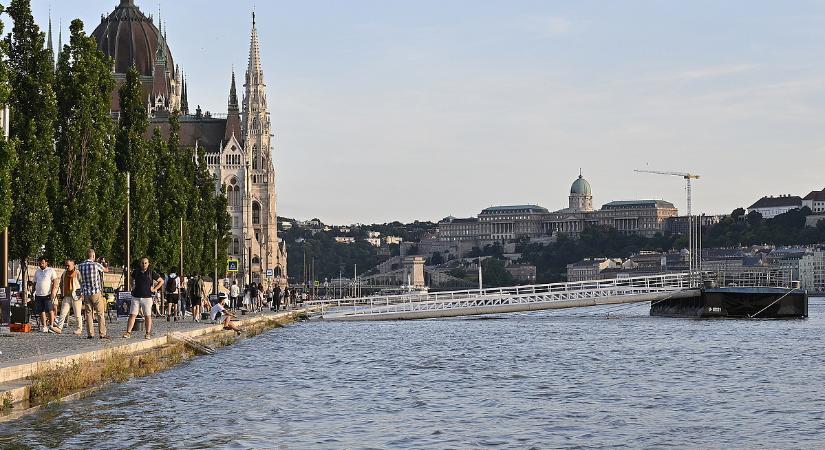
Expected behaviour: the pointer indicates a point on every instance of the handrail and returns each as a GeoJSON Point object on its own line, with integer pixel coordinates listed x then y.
{"type": "Point", "coordinates": [660, 282]}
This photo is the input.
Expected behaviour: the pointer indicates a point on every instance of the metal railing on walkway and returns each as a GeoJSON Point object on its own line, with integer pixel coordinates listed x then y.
{"type": "Point", "coordinates": [496, 298]}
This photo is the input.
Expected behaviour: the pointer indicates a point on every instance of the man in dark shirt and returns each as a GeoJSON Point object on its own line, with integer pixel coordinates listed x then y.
{"type": "Point", "coordinates": [145, 283]}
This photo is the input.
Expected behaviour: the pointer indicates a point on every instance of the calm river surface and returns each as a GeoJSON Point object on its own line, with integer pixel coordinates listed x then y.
{"type": "Point", "coordinates": [571, 378]}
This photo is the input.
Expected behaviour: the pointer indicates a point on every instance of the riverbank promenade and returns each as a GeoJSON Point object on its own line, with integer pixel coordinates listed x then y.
{"type": "Point", "coordinates": [34, 346]}
{"type": "Point", "coordinates": [26, 354]}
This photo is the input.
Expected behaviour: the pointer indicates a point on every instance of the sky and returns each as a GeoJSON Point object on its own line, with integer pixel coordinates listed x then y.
{"type": "Point", "coordinates": [416, 110]}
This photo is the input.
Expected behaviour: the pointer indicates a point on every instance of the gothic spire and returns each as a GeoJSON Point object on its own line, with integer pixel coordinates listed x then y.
{"type": "Point", "coordinates": [233, 95]}
{"type": "Point", "coordinates": [49, 38]}
{"type": "Point", "coordinates": [233, 116]}
{"type": "Point", "coordinates": [184, 101]}
{"type": "Point", "coordinates": [254, 73]}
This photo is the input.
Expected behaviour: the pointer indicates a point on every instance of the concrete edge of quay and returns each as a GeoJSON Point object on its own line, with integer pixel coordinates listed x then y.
{"type": "Point", "coordinates": [15, 383]}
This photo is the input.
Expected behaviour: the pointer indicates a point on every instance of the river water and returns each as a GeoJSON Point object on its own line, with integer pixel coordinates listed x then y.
{"type": "Point", "coordinates": [572, 379]}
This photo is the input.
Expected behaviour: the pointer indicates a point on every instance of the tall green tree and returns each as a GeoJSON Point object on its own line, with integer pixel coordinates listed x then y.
{"type": "Point", "coordinates": [203, 218]}
{"type": "Point", "coordinates": [223, 224]}
{"type": "Point", "coordinates": [33, 111]}
{"type": "Point", "coordinates": [8, 155]}
{"type": "Point", "coordinates": [174, 191]}
{"type": "Point", "coordinates": [92, 194]}
{"type": "Point", "coordinates": [133, 155]}
{"type": "Point", "coordinates": [195, 230]}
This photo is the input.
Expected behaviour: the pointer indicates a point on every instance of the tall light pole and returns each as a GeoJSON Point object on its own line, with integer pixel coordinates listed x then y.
{"type": "Point", "coordinates": [261, 258]}
{"type": "Point", "coordinates": [180, 269]}
{"type": "Point", "coordinates": [128, 230]}
{"type": "Point", "coordinates": [249, 257]}
{"type": "Point", "coordinates": [215, 280]}
{"type": "Point", "coordinates": [4, 239]}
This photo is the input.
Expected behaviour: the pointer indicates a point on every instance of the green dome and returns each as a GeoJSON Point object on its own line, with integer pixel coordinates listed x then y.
{"type": "Point", "coordinates": [580, 186]}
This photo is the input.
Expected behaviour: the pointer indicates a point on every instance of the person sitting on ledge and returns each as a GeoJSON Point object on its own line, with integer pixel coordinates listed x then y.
{"type": "Point", "coordinates": [218, 310]}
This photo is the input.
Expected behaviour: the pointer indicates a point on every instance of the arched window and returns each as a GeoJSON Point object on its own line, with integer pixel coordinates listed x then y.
{"type": "Point", "coordinates": [256, 213]}
{"type": "Point", "coordinates": [232, 192]}
{"type": "Point", "coordinates": [236, 246]}
{"type": "Point", "coordinates": [256, 260]}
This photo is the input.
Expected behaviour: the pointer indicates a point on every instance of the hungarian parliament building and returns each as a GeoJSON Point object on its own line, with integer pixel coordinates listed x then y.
{"type": "Point", "coordinates": [237, 143]}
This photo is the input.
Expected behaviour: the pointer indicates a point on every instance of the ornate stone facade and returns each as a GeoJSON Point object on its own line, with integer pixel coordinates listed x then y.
{"type": "Point", "coordinates": [238, 144]}
{"type": "Point", "coordinates": [508, 223]}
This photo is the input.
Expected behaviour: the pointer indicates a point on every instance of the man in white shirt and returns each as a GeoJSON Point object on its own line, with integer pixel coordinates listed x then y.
{"type": "Point", "coordinates": [45, 291]}
{"type": "Point", "coordinates": [219, 310]}
{"type": "Point", "coordinates": [234, 293]}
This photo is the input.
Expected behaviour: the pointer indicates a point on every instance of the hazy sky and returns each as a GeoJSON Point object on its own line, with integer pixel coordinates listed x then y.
{"type": "Point", "coordinates": [390, 110]}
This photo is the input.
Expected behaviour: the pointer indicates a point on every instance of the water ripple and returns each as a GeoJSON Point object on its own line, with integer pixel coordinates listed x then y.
{"type": "Point", "coordinates": [537, 380]}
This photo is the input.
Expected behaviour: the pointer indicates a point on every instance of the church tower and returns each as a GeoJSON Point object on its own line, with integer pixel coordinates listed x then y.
{"type": "Point", "coordinates": [260, 217]}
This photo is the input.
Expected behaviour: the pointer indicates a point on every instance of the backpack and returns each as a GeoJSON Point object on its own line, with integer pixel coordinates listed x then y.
{"type": "Point", "coordinates": [171, 286]}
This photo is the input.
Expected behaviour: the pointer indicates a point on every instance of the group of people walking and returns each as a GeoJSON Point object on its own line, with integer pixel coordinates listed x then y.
{"type": "Point", "coordinates": [79, 290]}
{"type": "Point", "coordinates": [255, 297]}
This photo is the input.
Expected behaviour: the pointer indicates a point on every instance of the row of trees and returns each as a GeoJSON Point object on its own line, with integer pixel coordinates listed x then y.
{"type": "Point", "coordinates": [63, 168]}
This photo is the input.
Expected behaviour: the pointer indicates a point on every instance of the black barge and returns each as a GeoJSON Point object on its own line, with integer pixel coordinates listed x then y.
{"type": "Point", "coordinates": [737, 302]}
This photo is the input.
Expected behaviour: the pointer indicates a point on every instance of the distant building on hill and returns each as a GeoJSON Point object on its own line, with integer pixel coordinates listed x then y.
{"type": "Point", "coordinates": [815, 200]}
{"type": "Point", "coordinates": [535, 223]}
{"type": "Point", "coordinates": [771, 207]}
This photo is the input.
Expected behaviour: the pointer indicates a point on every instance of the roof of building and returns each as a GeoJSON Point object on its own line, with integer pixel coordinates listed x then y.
{"type": "Point", "coordinates": [638, 203]}
{"type": "Point", "coordinates": [130, 38]}
{"type": "Point", "coordinates": [513, 208]}
{"type": "Point", "coordinates": [207, 132]}
{"type": "Point", "coordinates": [587, 262]}
{"type": "Point", "coordinates": [451, 219]}
{"type": "Point", "coordinates": [580, 186]}
{"type": "Point", "coordinates": [776, 202]}
{"type": "Point", "coordinates": [816, 195]}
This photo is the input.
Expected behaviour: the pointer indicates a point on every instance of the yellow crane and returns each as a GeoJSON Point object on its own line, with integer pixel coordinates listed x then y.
{"type": "Point", "coordinates": [694, 236]}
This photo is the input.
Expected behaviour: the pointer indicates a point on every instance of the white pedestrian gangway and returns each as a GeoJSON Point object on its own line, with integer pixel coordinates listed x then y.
{"type": "Point", "coordinates": [513, 299]}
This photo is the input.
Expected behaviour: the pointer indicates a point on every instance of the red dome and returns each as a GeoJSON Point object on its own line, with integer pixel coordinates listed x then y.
{"type": "Point", "coordinates": [129, 37]}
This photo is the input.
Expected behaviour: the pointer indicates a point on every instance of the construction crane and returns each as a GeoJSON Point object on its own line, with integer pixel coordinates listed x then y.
{"type": "Point", "coordinates": [694, 236]}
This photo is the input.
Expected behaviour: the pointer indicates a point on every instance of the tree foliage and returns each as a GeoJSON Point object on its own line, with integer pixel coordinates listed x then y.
{"type": "Point", "coordinates": [8, 155]}
{"type": "Point", "coordinates": [133, 154]}
{"type": "Point", "coordinates": [91, 194]}
{"type": "Point", "coordinates": [33, 109]}
{"type": "Point", "coordinates": [494, 274]}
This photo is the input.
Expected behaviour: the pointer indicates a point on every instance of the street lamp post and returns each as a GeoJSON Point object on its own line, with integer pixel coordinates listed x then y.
{"type": "Point", "coordinates": [261, 257]}
{"type": "Point", "coordinates": [249, 258]}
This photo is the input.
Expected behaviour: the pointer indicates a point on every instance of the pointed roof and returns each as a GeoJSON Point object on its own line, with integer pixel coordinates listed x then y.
{"type": "Point", "coordinates": [184, 98]}
{"type": "Point", "coordinates": [233, 117]}
{"type": "Point", "coordinates": [49, 38]}
{"type": "Point", "coordinates": [233, 95]}
{"type": "Point", "coordinates": [254, 68]}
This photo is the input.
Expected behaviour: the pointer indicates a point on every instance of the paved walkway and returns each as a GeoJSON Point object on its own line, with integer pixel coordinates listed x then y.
{"type": "Point", "coordinates": [14, 346]}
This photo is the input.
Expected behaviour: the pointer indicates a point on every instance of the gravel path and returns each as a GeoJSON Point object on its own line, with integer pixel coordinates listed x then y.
{"type": "Point", "coordinates": [25, 345]}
